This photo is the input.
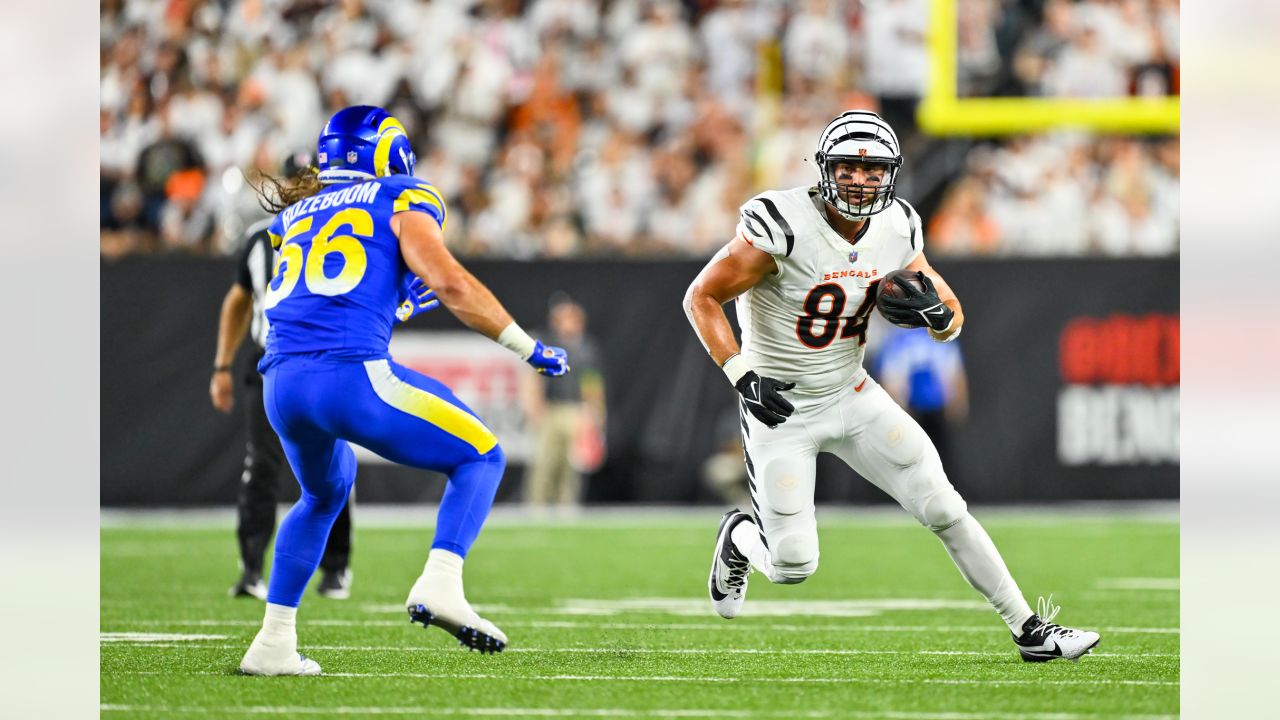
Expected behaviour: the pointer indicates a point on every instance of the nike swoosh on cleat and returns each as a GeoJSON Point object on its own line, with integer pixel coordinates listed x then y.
{"type": "Point", "coordinates": [1049, 648]}
{"type": "Point", "coordinates": [722, 537]}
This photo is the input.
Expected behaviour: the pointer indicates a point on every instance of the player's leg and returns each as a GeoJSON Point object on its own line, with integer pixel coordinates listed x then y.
{"type": "Point", "coordinates": [298, 399]}
{"type": "Point", "coordinates": [335, 564]}
{"type": "Point", "coordinates": [780, 538]}
{"type": "Point", "coordinates": [889, 448]}
{"type": "Point", "coordinates": [415, 420]}
{"type": "Point", "coordinates": [569, 480]}
{"type": "Point", "coordinates": [325, 468]}
{"type": "Point", "coordinates": [259, 492]}
{"type": "Point", "coordinates": [542, 467]}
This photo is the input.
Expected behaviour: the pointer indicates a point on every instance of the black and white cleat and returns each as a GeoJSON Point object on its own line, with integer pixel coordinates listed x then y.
{"type": "Point", "coordinates": [487, 640]}
{"type": "Point", "coordinates": [727, 582]}
{"type": "Point", "coordinates": [1042, 640]}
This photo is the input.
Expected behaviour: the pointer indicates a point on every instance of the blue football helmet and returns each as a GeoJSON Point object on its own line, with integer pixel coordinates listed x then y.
{"type": "Point", "coordinates": [362, 143]}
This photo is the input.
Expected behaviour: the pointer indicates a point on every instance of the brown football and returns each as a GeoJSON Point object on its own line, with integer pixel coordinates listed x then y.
{"type": "Point", "coordinates": [890, 288]}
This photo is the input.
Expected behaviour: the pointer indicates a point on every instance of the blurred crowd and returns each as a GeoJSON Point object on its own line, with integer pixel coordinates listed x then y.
{"type": "Point", "coordinates": [574, 128]}
{"type": "Point", "coordinates": [1067, 48]}
{"type": "Point", "coordinates": [1062, 195]}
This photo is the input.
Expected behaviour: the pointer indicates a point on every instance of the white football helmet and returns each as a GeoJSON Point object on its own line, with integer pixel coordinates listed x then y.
{"type": "Point", "coordinates": [858, 136]}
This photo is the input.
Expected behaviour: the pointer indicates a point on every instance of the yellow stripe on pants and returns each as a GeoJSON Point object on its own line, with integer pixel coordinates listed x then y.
{"type": "Point", "coordinates": [422, 404]}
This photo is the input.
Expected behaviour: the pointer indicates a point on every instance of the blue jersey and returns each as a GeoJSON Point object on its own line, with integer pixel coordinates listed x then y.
{"type": "Point", "coordinates": [923, 368]}
{"type": "Point", "coordinates": [339, 273]}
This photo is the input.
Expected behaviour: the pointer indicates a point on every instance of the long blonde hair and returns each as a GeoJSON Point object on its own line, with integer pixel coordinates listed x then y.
{"type": "Point", "coordinates": [276, 194]}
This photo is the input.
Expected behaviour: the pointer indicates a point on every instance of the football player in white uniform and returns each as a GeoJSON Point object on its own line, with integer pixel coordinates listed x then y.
{"type": "Point", "coordinates": [803, 269]}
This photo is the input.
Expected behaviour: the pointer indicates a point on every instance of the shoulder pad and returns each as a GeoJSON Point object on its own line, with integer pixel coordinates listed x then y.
{"type": "Point", "coordinates": [275, 231]}
{"type": "Point", "coordinates": [906, 222]}
{"type": "Point", "coordinates": [411, 193]}
{"type": "Point", "coordinates": [762, 222]}
{"type": "Point", "coordinates": [398, 182]}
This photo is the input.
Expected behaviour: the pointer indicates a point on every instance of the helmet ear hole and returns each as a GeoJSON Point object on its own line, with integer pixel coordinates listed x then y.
{"type": "Point", "coordinates": [391, 151]}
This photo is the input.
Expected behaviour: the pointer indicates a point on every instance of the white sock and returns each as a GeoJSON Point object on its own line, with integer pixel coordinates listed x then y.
{"type": "Point", "coordinates": [443, 563]}
{"type": "Point", "coordinates": [442, 578]}
{"type": "Point", "coordinates": [280, 620]}
{"type": "Point", "coordinates": [746, 537]}
{"type": "Point", "coordinates": [973, 552]}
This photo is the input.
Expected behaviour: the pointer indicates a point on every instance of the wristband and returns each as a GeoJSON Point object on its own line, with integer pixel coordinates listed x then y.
{"type": "Point", "coordinates": [734, 368]}
{"type": "Point", "coordinates": [935, 333]}
{"type": "Point", "coordinates": [221, 368]}
{"type": "Point", "coordinates": [517, 341]}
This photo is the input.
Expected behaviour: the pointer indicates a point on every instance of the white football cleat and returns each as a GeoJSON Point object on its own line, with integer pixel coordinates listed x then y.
{"type": "Point", "coordinates": [1042, 640]}
{"type": "Point", "coordinates": [729, 568]}
{"type": "Point", "coordinates": [440, 602]}
{"type": "Point", "coordinates": [276, 654]}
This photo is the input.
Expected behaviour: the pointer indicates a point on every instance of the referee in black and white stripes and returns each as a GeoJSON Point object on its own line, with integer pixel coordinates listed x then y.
{"type": "Point", "coordinates": [264, 463]}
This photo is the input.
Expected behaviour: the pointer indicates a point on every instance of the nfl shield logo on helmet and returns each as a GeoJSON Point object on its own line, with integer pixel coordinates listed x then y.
{"type": "Point", "coordinates": [324, 158]}
{"type": "Point", "coordinates": [853, 256]}
{"type": "Point", "coordinates": [352, 157]}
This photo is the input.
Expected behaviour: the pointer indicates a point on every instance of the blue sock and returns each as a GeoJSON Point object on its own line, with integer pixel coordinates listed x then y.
{"type": "Point", "coordinates": [467, 500]}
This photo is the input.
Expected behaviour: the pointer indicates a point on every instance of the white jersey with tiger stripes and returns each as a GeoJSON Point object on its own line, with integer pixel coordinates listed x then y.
{"type": "Point", "coordinates": [807, 323]}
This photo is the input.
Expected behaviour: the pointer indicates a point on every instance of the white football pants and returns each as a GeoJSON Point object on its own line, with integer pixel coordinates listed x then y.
{"type": "Point", "coordinates": [866, 429]}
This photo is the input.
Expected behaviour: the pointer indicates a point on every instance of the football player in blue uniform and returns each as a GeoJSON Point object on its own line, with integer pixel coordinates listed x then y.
{"type": "Point", "coordinates": [349, 244]}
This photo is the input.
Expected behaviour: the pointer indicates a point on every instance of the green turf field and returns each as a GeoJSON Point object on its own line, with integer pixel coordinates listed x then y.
{"type": "Point", "coordinates": [609, 618]}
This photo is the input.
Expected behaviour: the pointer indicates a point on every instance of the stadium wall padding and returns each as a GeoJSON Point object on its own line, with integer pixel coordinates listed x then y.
{"type": "Point", "coordinates": [669, 406]}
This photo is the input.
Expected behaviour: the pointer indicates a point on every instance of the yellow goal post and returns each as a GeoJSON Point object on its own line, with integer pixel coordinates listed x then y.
{"type": "Point", "coordinates": [941, 112]}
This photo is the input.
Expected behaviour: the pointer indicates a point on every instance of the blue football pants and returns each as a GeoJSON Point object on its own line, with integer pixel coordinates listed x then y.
{"type": "Point", "coordinates": [318, 405]}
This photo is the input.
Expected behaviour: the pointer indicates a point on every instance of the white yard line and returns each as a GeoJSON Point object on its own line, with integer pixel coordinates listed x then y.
{"type": "Point", "coordinates": [572, 624]}
{"type": "Point", "coordinates": [697, 607]}
{"type": "Point", "coordinates": [1139, 655]}
{"type": "Point", "coordinates": [608, 712]}
{"type": "Point", "coordinates": [788, 680]}
{"type": "Point", "coordinates": [1090, 682]}
{"type": "Point", "coordinates": [164, 639]}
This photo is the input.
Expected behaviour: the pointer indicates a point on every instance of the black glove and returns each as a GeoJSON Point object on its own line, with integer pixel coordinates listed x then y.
{"type": "Point", "coordinates": [918, 308]}
{"type": "Point", "coordinates": [763, 398]}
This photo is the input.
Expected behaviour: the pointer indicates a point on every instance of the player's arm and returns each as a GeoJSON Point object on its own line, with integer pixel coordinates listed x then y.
{"type": "Point", "coordinates": [736, 268]}
{"type": "Point", "coordinates": [417, 299]}
{"type": "Point", "coordinates": [233, 323]}
{"type": "Point", "coordinates": [945, 295]}
{"type": "Point", "coordinates": [936, 307]}
{"type": "Point", "coordinates": [424, 251]}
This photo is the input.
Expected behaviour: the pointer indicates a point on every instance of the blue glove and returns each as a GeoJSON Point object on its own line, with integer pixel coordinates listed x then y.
{"type": "Point", "coordinates": [549, 360]}
{"type": "Point", "coordinates": [420, 299]}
